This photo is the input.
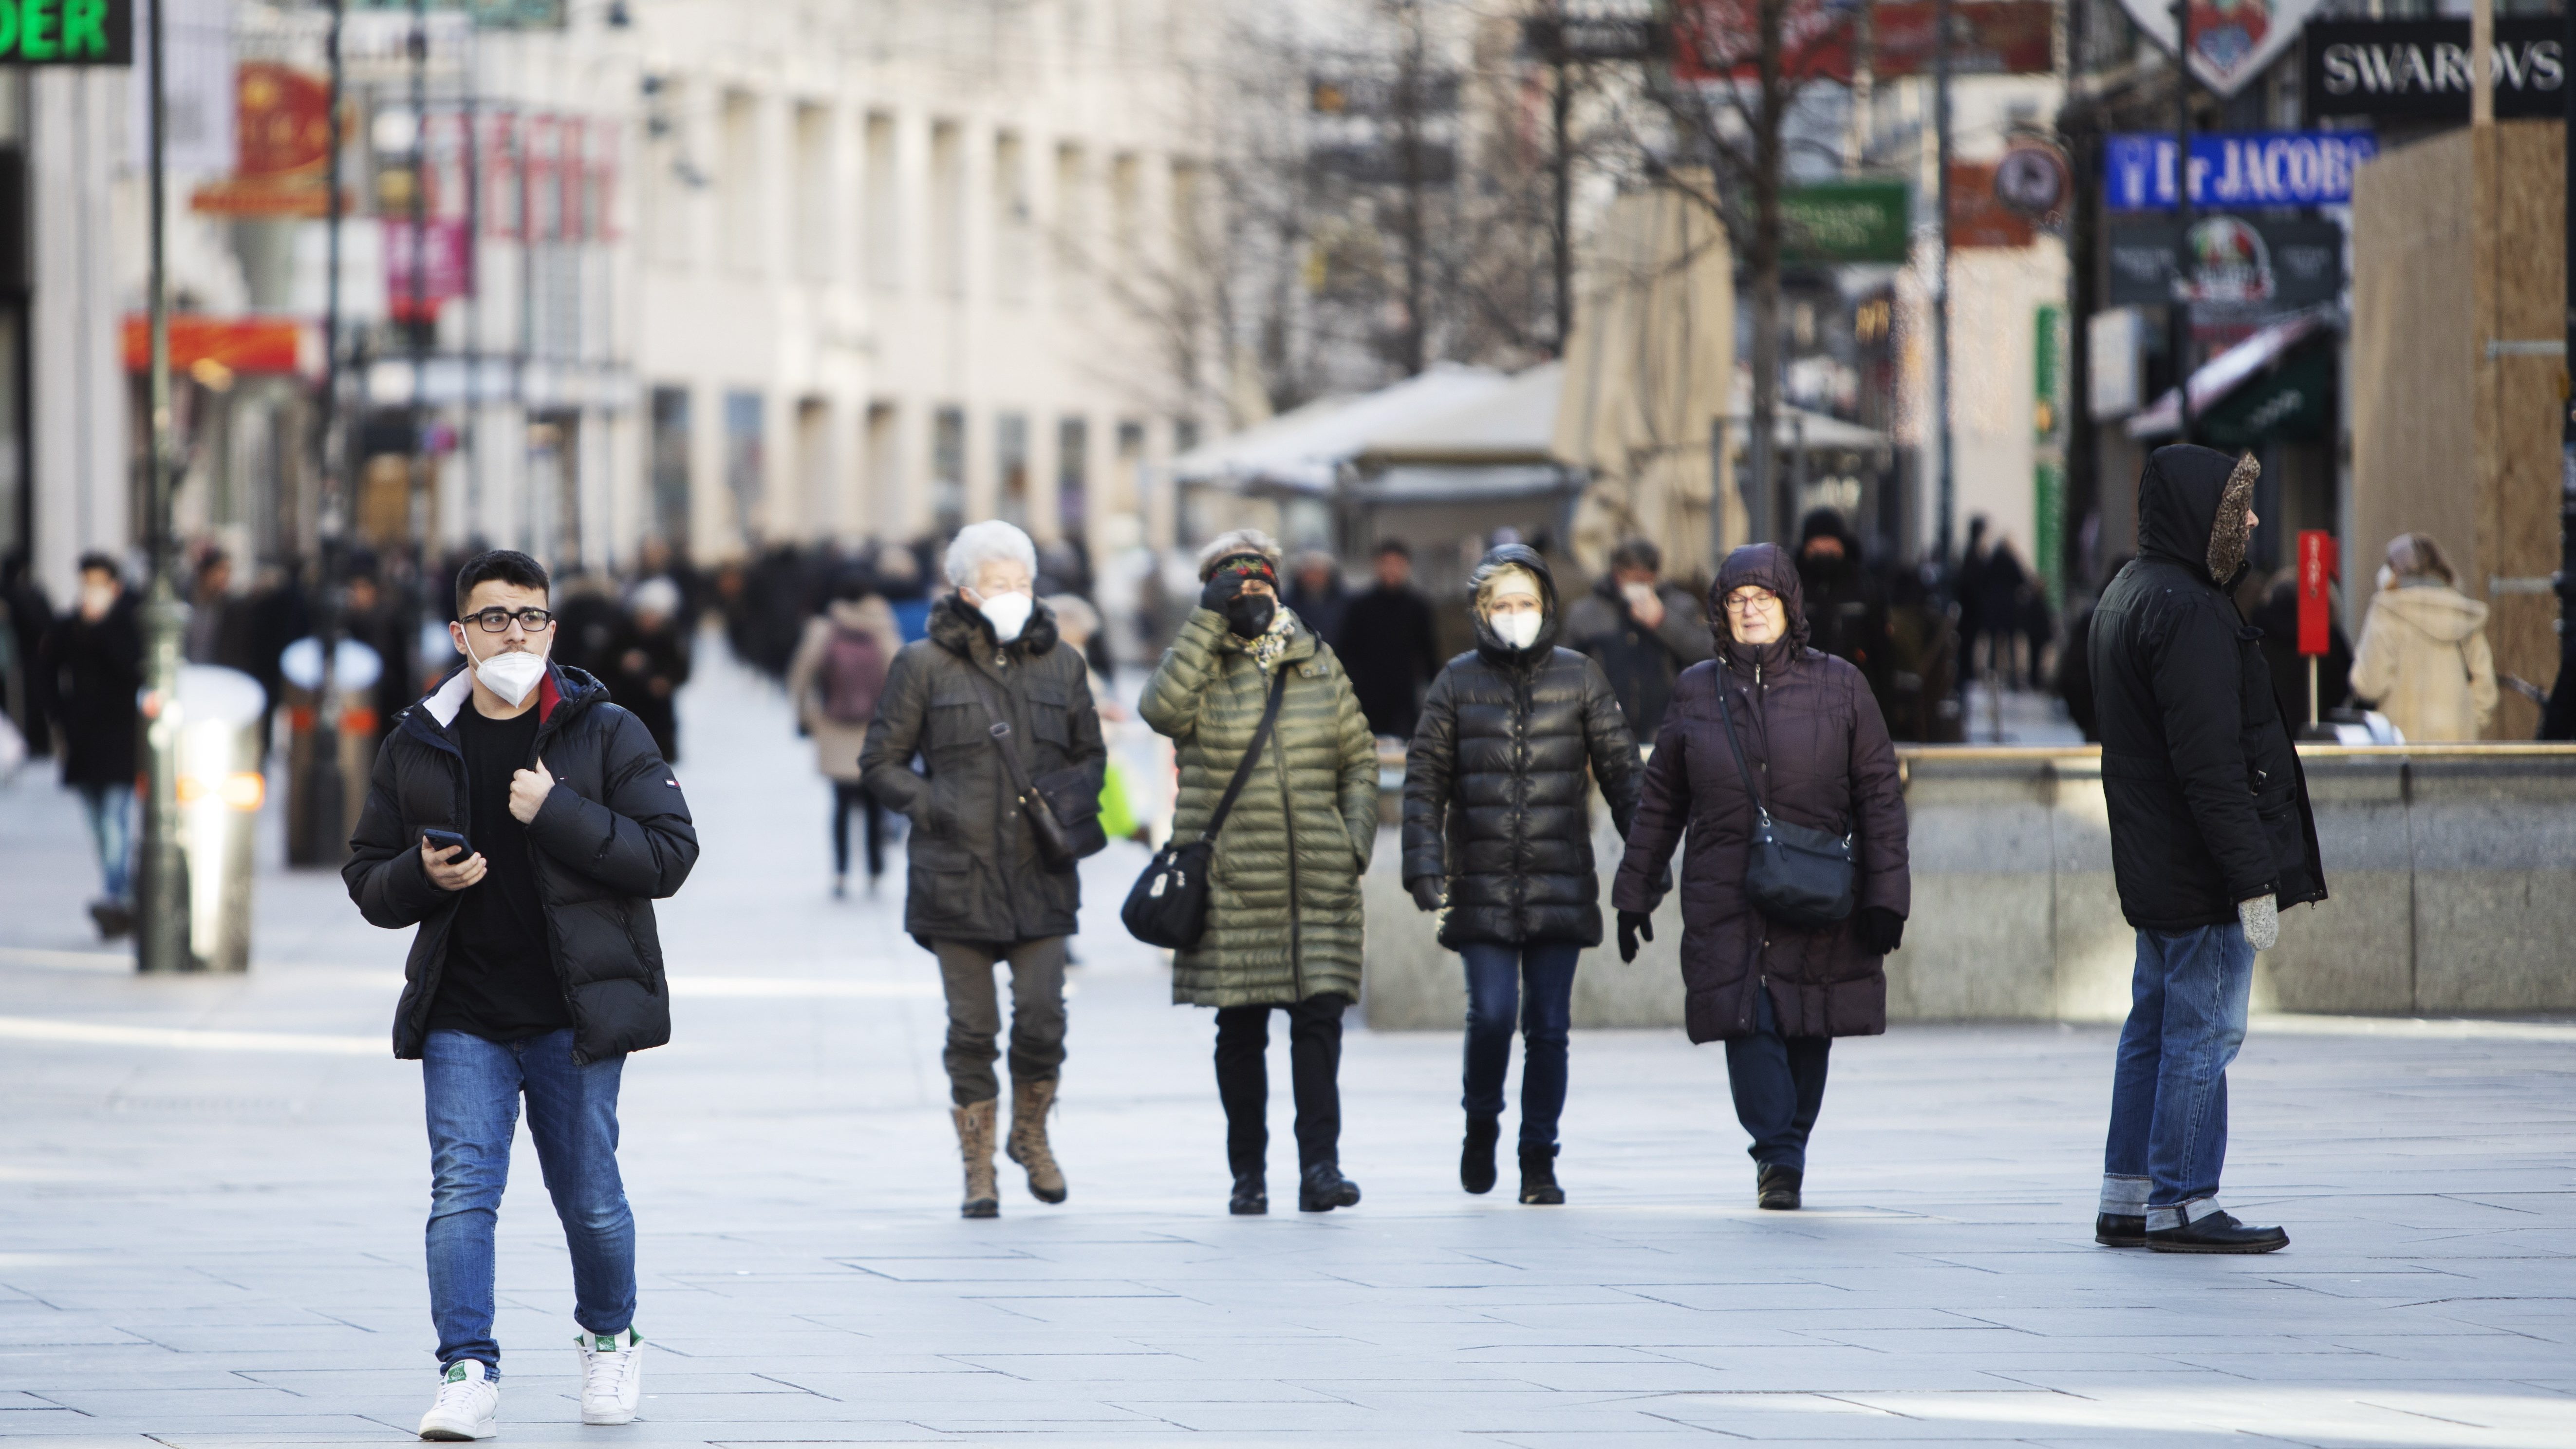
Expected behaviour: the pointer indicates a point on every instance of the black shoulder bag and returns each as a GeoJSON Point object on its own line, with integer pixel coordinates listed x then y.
{"type": "Point", "coordinates": [1169, 904]}
{"type": "Point", "coordinates": [1063, 806]}
{"type": "Point", "coordinates": [1796, 876]}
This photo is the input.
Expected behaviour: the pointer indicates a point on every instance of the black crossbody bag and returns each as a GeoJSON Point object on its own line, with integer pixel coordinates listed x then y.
{"type": "Point", "coordinates": [1063, 806]}
{"type": "Point", "coordinates": [1796, 876]}
{"type": "Point", "coordinates": [1169, 904]}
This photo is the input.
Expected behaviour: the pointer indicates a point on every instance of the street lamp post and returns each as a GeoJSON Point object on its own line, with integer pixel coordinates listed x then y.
{"type": "Point", "coordinates": [2178, 311]}
{"type": "Point", "coordinates": [161, 929]}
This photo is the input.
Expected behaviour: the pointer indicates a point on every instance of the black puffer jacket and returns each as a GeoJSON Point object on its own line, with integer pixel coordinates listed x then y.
{"type": "Point", "coordinates": [2208, 804]}
{"type": "Point", "coordinates": [974, 869]}
{"type": "Point", "coordinates": [1494, 787]}
{"type": "Point", "coordinates": [613, 836]}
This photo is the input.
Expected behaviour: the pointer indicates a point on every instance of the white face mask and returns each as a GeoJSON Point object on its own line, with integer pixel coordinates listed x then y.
{"type": "Point", "coordinates": [1518, 630]}
{"type": "Point", "coordinates": [1008, 614]}
{"type": "Point", "coordinates": [511, 674]}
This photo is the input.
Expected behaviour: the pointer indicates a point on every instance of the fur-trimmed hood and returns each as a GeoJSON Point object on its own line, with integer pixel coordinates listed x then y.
{"type": "Point", "coordinates": [964, 631]}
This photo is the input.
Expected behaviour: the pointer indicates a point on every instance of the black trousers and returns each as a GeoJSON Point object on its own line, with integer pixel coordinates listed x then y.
{"type": "Point", "coordinates": [846, 798]}
{"type": "Point", "coordinates": [1779, 1084]}
{"type": "Point", "coordinates": [1314, 1065]}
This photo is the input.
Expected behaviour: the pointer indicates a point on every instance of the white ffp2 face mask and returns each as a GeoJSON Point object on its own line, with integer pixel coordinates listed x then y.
{"type": "Point", "coordinates": [511, 674]}
{"type": "Point", "coordinates": [1518, 630]}
{"type": "Point", "coordinates": [1008, 614]}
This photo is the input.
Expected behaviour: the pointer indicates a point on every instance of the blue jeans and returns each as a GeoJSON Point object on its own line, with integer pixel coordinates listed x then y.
{"type": "Point", "coordinates": [1495, 975]}
{"type": "Point", "coordinates": [2168, 1138]}
{"type": "Point", "coordinates": [110, 811]}
{"type": "Point", "coordinates": [473, 1088]}
{"type": "Point", "coordinates": [1779, 1086]}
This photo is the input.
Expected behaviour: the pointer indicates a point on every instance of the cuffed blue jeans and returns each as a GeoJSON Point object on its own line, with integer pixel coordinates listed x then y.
{"type": "Point", "coordinates": [473, 1087]}
{"type": "Point", "coordinates": [1497, 976]}
{"type": "Point", "coordinates": [2168, 1138]}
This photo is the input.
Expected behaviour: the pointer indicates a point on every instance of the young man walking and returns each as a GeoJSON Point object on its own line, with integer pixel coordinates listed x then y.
{"type": "Point", "coordinates": [536, 968]}
{"type": "Point", "coordinates": [2210, 836]}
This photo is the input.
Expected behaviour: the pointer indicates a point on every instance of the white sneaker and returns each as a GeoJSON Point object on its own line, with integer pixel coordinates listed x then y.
{"type": "Point", "coordinates": [612, 1377]}
{"type": "Point", "coordinates": [468, 1404]}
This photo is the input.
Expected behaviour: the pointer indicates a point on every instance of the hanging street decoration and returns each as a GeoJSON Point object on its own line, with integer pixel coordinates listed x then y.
{"type": "Point", "coordinates": [2231, 40]}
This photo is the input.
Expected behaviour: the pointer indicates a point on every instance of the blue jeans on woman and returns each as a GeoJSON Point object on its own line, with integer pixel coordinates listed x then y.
{"type": "Point", "coordinates": [2168, 1139]}
{"type": "Point", "coordinates": [473, 1088]}
{"type": "Point", "coordinates": [1496, 976]}
{"type": "Point", "coordinates": [110, 812]}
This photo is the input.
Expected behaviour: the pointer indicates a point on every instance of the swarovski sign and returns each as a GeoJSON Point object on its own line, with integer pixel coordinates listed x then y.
{"type": "Point", "coordinates": [2420, 68]}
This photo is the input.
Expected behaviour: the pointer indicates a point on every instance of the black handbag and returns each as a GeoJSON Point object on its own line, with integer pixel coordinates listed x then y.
{"type": "Point", "coordinates": [1063, 806]}
{"type": "Point", "coordinates": [1796, 876]}
{"type": "Point", "coordinates": [1168, 905]}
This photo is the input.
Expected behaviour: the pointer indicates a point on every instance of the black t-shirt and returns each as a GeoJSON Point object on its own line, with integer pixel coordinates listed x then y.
{"type": "Point", "coordinates": [500, 979]}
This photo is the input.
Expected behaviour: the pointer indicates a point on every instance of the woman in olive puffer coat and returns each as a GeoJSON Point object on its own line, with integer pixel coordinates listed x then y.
{"type": "Point", "coordinates": [1283, 922]}
{"type": "Point", "coordinates": [1497, 826]}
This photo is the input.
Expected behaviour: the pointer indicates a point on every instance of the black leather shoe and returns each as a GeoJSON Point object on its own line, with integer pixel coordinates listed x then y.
{"type": "Point", "coordinates": [1251, 1196]}
{"type": "Point", "coordinates": [2217, 1233]}
{"type": "Point", "coordinates": [1778, 1187]}
{"type": "Point", "coordinates": [1476, 1171]}
{"type": "Point", "coordinates": [1323, 1188]}
{"type": "Point", "coordinates": [2119, 1230]}
{"type": "Point", "coordinates": [1538, 1176]}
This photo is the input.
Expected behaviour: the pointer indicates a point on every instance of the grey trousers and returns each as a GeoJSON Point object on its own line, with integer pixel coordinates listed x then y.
{"type": "Point", "coordinates": [975, 1013]}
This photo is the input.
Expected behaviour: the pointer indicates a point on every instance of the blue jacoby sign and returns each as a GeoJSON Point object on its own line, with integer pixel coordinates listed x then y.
{"type": "Point", "coordinates": [2236, 170]}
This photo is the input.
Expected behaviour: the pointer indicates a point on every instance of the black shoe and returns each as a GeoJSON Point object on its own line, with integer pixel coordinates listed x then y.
{"type": "Point", "coordinates": [114, 919]}
{"type": "Point", "coordinates": [1778, 1187]}
{"type": "Point", "coordinates": [2119, 1230]}
{"type": "Point", "coordinates": [1251, 1196]}
{"type": "Point", "coordinates": [2217, 1233]}
{"type": "Point", "coordinates": [1476, 1171]}
{"type": "Point", "coordinates": [1323, 1188]}
{"type": "Point", "coordinates": [1538, 1176]}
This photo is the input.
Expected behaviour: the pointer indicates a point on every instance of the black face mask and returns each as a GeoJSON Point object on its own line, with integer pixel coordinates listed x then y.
{"type": "Point", "coordinates": [1248, 615]}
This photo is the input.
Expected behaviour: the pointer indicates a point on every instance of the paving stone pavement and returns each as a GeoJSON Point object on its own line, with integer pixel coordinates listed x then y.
{"type": "Point", "coordinates": [211, 1194]}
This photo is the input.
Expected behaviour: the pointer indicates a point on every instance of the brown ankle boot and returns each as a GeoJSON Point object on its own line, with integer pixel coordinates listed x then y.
{"type": "Point", "coordinates": [975, 1144]}
{"type": "Point", "coordinates": [1030, 1102]}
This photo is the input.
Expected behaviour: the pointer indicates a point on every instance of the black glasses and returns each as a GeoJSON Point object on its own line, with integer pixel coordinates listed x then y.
{"type": "Point", "coordinates": [497, 621]}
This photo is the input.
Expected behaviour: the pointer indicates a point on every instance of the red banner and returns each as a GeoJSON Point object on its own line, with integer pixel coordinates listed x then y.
{"type": "Point", "coordinates": [1717, 40]}
{"type": "Point", "coordinates": [2316, 603]}
{"type": "Point", "coordinates": [235, 344]}
{"type": "Point", "coordinates": [1997, 37]}
{"type": "Point", "coordinates": [1977, 218]}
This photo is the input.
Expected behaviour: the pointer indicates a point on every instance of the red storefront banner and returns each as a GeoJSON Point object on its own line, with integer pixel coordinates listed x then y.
{"type": "Point", "coordinates": [235, 344]}
{"type": "Point", "coordinates": [1716, 39]}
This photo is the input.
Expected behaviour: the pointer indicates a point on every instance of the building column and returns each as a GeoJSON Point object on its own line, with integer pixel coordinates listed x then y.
{"type": "Point", "coordinates": [84, 470]}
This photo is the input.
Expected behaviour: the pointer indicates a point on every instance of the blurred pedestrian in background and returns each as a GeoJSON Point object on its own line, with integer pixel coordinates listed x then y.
{"type": "Point", "coordinates": [2278, 617]}
{"type": "Point", "coordinates": [93, 666]}
{"type": "Point", "coordinates": [1498, 830]}
{"type": "Point", "coordinates": [1283, 915]}
{"type": "Point", "coordinates": [1387, 645]}
{"type": "Point", "coordinates": [835, 680]}
{"type": "Point", "coordinates": [1079, 623]}
{"type": "Point", "coordinates": [648, 661]}
{"type": "Point", "coordinates": [1795, 733]}
{"type": "Point", "coordinates": [2424, 660]}
{"type": "Point", "coordinates": [1316, 594]}
{"type": "Point", "coordinates": [2075, 664]}
{"type": "Point", "coordinates": [898, 578]}
{"type": "Point", "coordinates": [375, 621]}
{"type": "Point", "coordinates": [981, 891]}
{"type": "Point", "coordinates": [2210, 835]}
{"type": "Point", "coordinates": [26, 616]}
{"type": "Point", "coordinates": [1923, 647]}
{"type": "Point", "coordinates": [1846, 609]}
{"type": "Point", "coordinates": [1641, 631]}
{"type": "Point", "coordinates": [219, 621]}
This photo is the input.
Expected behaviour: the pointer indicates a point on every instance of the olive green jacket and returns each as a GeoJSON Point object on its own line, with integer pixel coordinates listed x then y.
{"type": "Point", "coordinates": [1284, 889]}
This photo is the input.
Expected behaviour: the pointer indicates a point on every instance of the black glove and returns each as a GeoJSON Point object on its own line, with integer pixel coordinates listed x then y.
{"type": "Point", "coordinates": [1880, 930]}
{"type": "Point", "coordinates": [1426, 891]}
{"type": "Point", "coordinates": [1222, 586]}
{"type": "Point", "coordinates": [1632, 925]}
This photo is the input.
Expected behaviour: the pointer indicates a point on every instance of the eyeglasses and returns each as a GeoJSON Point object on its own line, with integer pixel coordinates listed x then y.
{"type": "Point", "coordinates": [1750, 601]}
{"type": "Point", "coordinates": [497, 621]}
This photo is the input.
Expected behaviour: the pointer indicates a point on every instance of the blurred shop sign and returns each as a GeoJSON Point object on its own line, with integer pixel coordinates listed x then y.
{"type": "Point", "coordinates": [2230, 169]}
{"type": "Point", "coordinates": [1389, 163]}
{"type": "Point", "coordinates": [214, 348]}
{"type": "Point", "coordinates": [2420, 68]}
{"type": "Point", "coordinates": [66, 32]}
{"type": "Point", "coordinates": [425, 265]}
{"type": "Point", "coordinates": [1564, 38]}
{"type": "Point", "coordinates": [2000, 37]}
{"type": "Point", "coordinates": [1714, 40]}
{"type": "Point", "coordinates": [1978, 217]}
{"type": "Point", "coordinates": [1425, 93]}
{"type": "Point", "coordinates": [2232, 41]}
{"type": "Point", "coordinates": [1844, 221]}
{"type": "Point", "coordinates": [2236, 262]}
{"type": "Point", "coordinates": [489, 14]}
{"type": "Point", "coordinates": [281, 146]}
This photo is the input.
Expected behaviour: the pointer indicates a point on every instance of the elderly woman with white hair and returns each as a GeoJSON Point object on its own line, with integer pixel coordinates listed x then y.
{"type": "Point", "coordinates": [998, 710]}
{"type": "Point", "coordinates": [1247, 680]}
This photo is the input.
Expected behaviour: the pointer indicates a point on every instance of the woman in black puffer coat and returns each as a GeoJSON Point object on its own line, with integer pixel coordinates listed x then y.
{"type": "Point", "coordinates": [1497, 829]}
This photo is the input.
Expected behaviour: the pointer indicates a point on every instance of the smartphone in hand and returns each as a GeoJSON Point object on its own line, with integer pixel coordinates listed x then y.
{"type": "Point", "coordinates": [449, 840]}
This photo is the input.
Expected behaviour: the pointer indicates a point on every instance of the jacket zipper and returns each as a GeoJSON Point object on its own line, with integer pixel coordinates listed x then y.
{"type": "Point", "coordinates": [1521, 784]}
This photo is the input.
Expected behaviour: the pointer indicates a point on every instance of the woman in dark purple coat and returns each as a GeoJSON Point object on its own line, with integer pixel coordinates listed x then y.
{"type": "Point", "coordinates": [1776, 994]}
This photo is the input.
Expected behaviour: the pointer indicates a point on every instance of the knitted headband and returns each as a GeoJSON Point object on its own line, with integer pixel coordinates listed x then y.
{"type": "Point", "coordinates": [1251, 565]}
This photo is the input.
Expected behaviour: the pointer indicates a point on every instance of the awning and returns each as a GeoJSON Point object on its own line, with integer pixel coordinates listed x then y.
{"type": "Point", "coordinates": [1513, 423]}
{"type": "Point", "coordinates": [1439, 483]}
{"type": "Point", "coordinates": [2236, 421]}
{"type": "Point", "coordinates": [1302, 451]}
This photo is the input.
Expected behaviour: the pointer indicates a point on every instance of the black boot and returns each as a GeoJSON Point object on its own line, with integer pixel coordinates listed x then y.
{"type": "Point", "coordinates": [1323, 1188]}
{"type": "Point", "coordinates": [2217, 1233]}
{"type": "Point", "coordinates": [1251, 1195]}
{"type": "Point", "coordinates": [1538, 1176]}
{"type": "Point", "coordinates": [1476, 1164]}
{"type": "Point", "coordinates": [1778, 1187]}
{"type": "Point", "coordinates": [2119, 1230]}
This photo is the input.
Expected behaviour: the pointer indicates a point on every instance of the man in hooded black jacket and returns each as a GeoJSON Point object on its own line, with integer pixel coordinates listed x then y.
{"type": "Point", "coordinates": [2210, 835]}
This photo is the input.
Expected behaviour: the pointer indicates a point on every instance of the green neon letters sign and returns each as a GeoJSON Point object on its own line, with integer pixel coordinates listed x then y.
{"type": "Point", "coordinates": [66, 32]}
